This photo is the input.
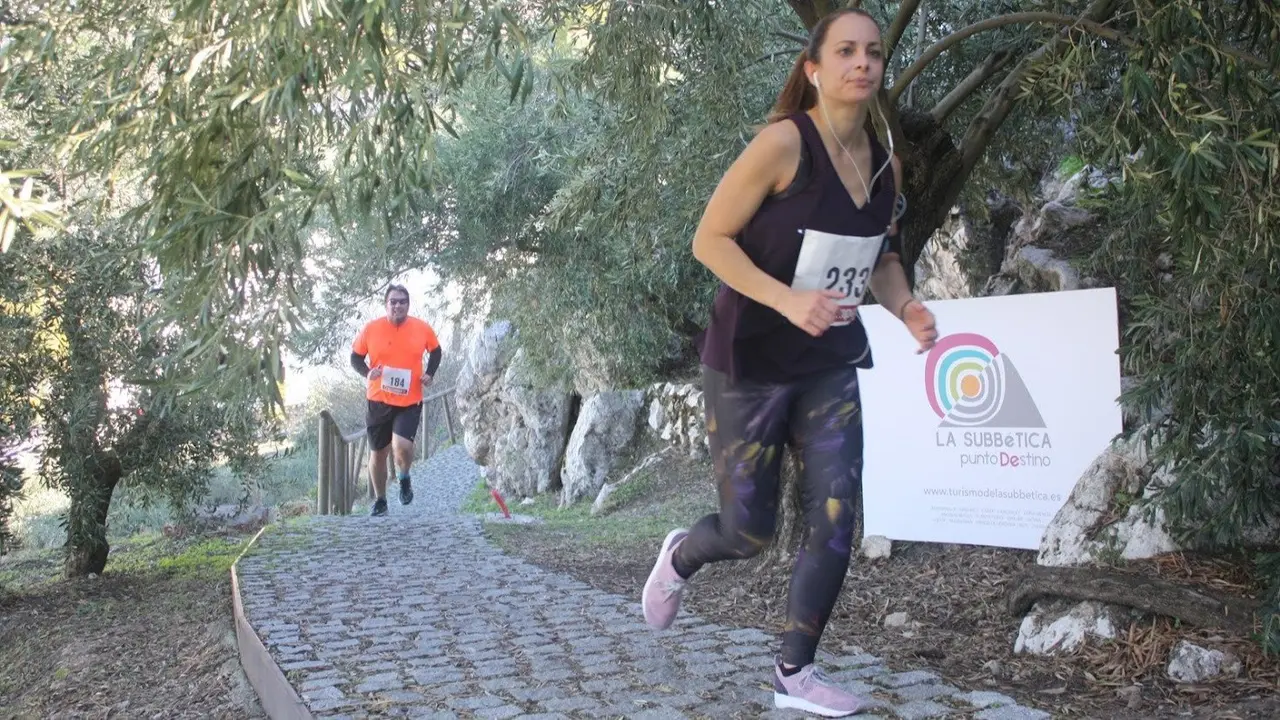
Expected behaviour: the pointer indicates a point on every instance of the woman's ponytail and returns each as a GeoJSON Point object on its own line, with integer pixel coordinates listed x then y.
{"type": "Point", "coordinates": [798, 94]}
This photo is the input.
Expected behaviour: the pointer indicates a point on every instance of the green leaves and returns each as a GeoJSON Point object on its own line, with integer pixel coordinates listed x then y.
{"type": "Point", "coordinates": [19, 207]}
{"type": "Point", "coordinates": [1193, 132]}
{"type": "Point", "coordinates": [233, 122]}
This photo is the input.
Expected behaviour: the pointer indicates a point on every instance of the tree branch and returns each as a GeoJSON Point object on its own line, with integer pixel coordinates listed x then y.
{"type": "Point", "coordinates": [994, 63]}
{"type": "Point", "coordinates": [899, 27]}
{"type": "Point", "coordinates": [1023, 18]}
{"type": "Point", "coordinates": [811, 11]}
{"type": "Point", "coordinates": [770, 57]}
{"type": "Point", "coordinates": [1001, 102]}
{"type": "Point", "coordinates": [796, 37]}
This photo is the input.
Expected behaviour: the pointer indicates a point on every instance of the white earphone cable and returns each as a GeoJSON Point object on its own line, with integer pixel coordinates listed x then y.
{"type": "Point", "coordinates": [866, 188]}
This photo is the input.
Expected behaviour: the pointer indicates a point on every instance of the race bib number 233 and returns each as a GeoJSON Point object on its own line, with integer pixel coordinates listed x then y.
{"type": "Point", "coordinates": [843, 263]}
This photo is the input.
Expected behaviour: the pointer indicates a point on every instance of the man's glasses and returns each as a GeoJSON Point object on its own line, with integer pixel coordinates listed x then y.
{"type": "Point", "coordinates": [397, 302]}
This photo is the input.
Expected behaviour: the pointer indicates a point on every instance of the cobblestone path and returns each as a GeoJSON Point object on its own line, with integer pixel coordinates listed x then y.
{"type": "Point", "coordinates": [415, 615]}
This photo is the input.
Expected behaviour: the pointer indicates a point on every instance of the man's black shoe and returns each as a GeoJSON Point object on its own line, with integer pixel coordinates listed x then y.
{"type": "Point", "coordinates": [406, 491]}
{"type": "Point", "coordinates": [380, 507]}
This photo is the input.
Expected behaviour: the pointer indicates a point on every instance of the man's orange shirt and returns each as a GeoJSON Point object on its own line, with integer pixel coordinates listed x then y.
{"type": "Point", "coordinates": [398, 351]}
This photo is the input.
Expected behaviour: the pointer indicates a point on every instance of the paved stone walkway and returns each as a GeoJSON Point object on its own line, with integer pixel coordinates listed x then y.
{"type": "Point", "coordinates": [416, 615]}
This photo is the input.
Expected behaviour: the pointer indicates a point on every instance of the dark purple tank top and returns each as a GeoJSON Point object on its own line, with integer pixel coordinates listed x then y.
{"type": "Point", "coordinates": [749, 341]}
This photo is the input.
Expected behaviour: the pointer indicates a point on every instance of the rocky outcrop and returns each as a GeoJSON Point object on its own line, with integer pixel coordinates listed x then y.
{"type": "Point", "coordinates": [676, 416]}
{"type": "Point", "coordinates": [1104, 517]}
{"type": "Point", "coordinates": [605, 426]}
{"type": "Point", "coordinates": [512, 427]}
{"type": "Point", "coordinates": [963, 252]}
{"type": "Point", "coordinates": [529, 438]}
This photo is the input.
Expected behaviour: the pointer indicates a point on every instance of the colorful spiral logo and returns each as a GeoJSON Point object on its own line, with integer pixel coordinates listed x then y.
{"type": "Point", "coordinates": [963, 379]}
{"type": "Point", "coordinates": [970, 383]}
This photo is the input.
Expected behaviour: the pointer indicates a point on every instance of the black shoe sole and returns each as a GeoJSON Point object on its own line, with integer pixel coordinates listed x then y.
{"type": "Point", "coordinates": [406, 499]}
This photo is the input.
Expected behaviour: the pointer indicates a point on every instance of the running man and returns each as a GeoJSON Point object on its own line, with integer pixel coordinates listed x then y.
{"type": "Point", "coordinates": [388, 351]}
{"type": "Point", "coordinates": [802, 225]}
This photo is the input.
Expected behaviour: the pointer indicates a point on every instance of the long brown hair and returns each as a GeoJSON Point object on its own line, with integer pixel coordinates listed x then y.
{"type": "Point", "coordinates": [798, 94]}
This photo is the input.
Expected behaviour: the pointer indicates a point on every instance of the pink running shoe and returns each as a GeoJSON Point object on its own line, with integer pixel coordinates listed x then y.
{"type": "Point", "coordinates": [662, 591]}
{"type": "Point", "coordinates": [812, 691]}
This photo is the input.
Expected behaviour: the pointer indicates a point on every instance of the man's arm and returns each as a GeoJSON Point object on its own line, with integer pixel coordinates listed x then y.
{"type": "Point", "coordinates": [357, 362]}
{"type": "Point", "coordinates": [433, 361]}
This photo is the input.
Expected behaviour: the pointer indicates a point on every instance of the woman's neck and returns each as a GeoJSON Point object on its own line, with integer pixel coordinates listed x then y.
{"type": "Point", "coordinates": [848, 122]}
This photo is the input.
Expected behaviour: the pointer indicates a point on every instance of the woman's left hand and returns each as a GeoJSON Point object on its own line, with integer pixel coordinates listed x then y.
{"type": "Point", "coordinates": [921, 323]}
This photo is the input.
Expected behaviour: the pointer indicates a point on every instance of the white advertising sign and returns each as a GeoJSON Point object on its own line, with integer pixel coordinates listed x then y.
{"type": "Point", "coordinates": [981, 440]}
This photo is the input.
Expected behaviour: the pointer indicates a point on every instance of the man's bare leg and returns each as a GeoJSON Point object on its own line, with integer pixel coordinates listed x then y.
{"type": "Point", "coordinates": [402, 447]}
{"type": "Point", "coordinates": [378, 475]}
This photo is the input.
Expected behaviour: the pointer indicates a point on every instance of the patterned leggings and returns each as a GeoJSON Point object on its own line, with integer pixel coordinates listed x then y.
{"type": "Point", "coordinates": [748, 425]}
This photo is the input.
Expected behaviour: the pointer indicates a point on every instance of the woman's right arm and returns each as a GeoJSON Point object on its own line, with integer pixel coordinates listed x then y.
{"type": "Point", "coordinates": [767, 165]}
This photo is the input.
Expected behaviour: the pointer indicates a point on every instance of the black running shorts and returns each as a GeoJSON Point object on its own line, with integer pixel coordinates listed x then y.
{"type": "Point", "coordinates": [382, 420]}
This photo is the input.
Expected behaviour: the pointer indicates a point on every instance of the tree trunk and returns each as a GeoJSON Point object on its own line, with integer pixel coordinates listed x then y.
{"type": "Point", "coordinates": [929, 161]}
{"type": "Point", "coordinates": [811, 11]}
{"type": "Point", "coordinates": [790, 529]}
{"type": "Point", "coordinates": [1143, 593]}
{"type": "Point", "coordinates": [789, 532]}
{"type": "Point", "coordinates": [87, 548]}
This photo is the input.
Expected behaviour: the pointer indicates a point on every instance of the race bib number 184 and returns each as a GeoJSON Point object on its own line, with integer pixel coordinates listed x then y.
{"type": "Point", "coordinates": [843, 263]}
{"type": "Point", "coordinates": [395, 381]}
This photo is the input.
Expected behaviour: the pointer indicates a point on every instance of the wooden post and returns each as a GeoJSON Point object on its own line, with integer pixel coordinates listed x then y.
{"type": "Point", "coordinates": [340, 477]}
{"type": "Point", "coordinates": [322, 471]}
{"type": "Point", "coordinates": [424, 433]}
{"type": "Point", "coordinates": [448, 414]}
{"type": "Point", "coordinates": [359, 448]}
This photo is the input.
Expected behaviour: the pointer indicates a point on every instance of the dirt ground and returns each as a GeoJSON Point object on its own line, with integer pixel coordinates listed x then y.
{"type": "Point", "coordinates": [151, 638]}
{"type": "Point", "coordinates": [954, 597]}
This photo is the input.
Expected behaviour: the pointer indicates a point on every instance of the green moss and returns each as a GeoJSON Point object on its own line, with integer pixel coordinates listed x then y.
{"type": "Point", "coordinates": [1070, 165]}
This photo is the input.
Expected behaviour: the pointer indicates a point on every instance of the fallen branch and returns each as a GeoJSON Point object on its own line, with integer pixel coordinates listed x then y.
{"type": "Point", "coordinates": [1147, 594]}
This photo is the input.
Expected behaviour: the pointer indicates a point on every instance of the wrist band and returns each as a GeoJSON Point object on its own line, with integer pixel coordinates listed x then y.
{"type": "Point", "coordinates": [903, 308]}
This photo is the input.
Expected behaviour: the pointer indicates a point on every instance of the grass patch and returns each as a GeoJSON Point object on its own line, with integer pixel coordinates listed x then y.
{"type": "Point", "coordinates": [674, 492]}
{"type": "Point", "coordinates": [479, 501]}
{"type": "Point", "coordinates": [145, 553]}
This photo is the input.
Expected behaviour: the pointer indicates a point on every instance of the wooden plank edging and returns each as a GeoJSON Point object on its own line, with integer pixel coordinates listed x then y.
{"type": "Point", "coordinates": [276, 694]}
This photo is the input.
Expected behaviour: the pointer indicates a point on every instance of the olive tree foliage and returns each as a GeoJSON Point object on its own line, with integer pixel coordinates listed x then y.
{"type": "Point", "coordinates": [17, 330]}
{"type": "Point", "coordinates": [94, 371]}
{"type": "Point", "coordinates": [93, 365]}
{"type": "Point", "coordinates": [1193, 124]}
{"type": "Point", "coordinates": [235, 117]}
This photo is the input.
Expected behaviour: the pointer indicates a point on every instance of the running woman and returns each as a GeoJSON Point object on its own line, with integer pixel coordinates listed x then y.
{"type": "Point", "coordinates": [388, 353]}
{"type": "Point", "coordinates": [800, 227]}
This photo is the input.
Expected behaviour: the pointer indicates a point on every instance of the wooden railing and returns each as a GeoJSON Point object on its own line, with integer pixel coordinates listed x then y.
{"type": "Point", "coordinates": [342, 456]}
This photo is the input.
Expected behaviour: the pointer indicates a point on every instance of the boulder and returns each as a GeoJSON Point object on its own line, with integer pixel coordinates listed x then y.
{"type": "Point", "coordinates": [1093, 524]}
{"type": "Point", "coordinates": [511, 426]}
{"type": "Point", "coordinates": [605, 426]}
{"type": "Point", "coordinates": [676, 416]}
{"type": "Point", "coordinates": [1190, 663]}
{"type": "Point", "coordinates": [1053, 627]}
